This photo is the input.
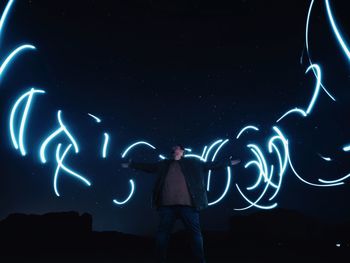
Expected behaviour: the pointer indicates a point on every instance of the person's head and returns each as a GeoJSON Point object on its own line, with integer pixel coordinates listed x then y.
{"type": "Point", "coordinates": [177, 151]}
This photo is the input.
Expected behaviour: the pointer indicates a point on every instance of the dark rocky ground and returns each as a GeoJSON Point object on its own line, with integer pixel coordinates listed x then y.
{"type": "Point", "coordinates": [274, 236]}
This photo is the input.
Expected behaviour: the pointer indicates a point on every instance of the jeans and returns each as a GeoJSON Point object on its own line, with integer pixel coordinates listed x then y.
{"type": "Point", "coordinates": [190, 219]}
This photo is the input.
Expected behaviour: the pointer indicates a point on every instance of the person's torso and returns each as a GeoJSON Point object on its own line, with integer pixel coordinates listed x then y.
{"type": "Point", "coordinates": [174, 190]}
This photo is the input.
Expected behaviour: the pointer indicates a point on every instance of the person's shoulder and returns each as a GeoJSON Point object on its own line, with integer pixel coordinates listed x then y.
{"type": "Point", "coordinates": [165, 162]}
{"type": "Point", "coordinates": [191, 160]}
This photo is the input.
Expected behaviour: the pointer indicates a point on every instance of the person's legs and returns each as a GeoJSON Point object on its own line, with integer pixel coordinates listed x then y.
{"type": "Point", "coordinates": [167, 218]}
{"type": "Point", "coordinates": [190, 218]}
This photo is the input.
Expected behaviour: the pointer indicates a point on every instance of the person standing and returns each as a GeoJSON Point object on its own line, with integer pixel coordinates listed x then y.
{"type": "Point", "coordinates": [179, 192]}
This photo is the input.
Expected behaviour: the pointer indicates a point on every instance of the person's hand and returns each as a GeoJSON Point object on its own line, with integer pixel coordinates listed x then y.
{"type": "Point", "coordinates": [126, 164]}
{"type": "Point", "coordinates": [234, 162]}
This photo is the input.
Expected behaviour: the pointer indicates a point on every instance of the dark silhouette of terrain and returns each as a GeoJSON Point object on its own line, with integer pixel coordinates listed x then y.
{"type": "Point", "coordinates": [267, 236]}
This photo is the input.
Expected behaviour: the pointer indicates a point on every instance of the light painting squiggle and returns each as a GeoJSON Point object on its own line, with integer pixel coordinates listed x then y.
{"type": "Point", "coordinates": [105, 145]}
{"type": "Point", "coordinates": [16, 51]}
{"type": "Point", "coordinates": [62, 129]}
{"type": "Point", "coordinates": [304, 113]}
{"type": "Point", "coordinates": [60, 158]}
{"type": "Point", "coordinates": [132, 185]}
{"type": "Point", "coordinates": [268, 178]}
{"type": "Point", "coordinates": [337, 31]}
{"type": "Point", "coordinates": [97, 119]}
{"type": "Point", "coordinates": [307, 47]}
{"type": "Point", "coordinates": [29, 96]}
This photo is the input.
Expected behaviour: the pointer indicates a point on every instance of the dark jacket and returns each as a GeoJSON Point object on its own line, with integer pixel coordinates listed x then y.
{"type": "Point", "coordinates": [194, 173]}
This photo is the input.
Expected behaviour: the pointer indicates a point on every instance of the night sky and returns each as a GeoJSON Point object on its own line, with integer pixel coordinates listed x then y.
{"type": "Point", "coordinates": [168, 72]}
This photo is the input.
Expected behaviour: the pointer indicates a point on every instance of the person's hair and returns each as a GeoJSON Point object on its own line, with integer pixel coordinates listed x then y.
{"type": "Point", "coordinates": [181, 146]}
{"type": "Point", "coordinates": [178, 145]}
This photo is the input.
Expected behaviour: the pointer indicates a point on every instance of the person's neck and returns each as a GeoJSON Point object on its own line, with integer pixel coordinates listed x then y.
{"type": "Point", "coordinates": [177, 158]}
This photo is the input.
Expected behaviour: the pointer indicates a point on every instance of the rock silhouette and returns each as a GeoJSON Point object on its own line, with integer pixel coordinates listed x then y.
{"type": "Point", "coordinates": [265, 236]}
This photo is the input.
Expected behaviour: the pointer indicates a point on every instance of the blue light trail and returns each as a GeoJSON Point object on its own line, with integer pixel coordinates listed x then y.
{"type": "Point", "coordinates": [136, 144]}
{"type": "Point", "coordinates": [277, 144]}
{"type": "Point", "coordinates": [204, 150]}
{"type": "Point", "coordinates": [263, 172]}
{"type": "Point", "coordinates": [213, 158]}
{"type": "Point", "coordinates": [132, 185]}
{"type": "Point", "coordinates": [98, 120]}
{"type": "Point", "coordinates": [60, 158]}
{"type": "Point", "coordinates": [19, 49]}
{"type": "Point", "coordinates": [326, 184]}
{"type": "Point", "coordinates": [250, 127]}
{"type": "Point", "coordinates": [335, 182]}
{"type": "Point", "coordinates": [328, 159]}
{"type": "Point", "coordinates": [302, 112]}
{"type": "Point", "coordinates": [194, 156]}
{"type": "Point", "coordinates": [228, 182]}
{"type": "Point", "coordinates": [210, 148]}
{"type": "Point", "coordinates": [62, 129]}
{"type": "Point", "coordinates": [29, 96]}
{"type": "Point", "coordinates": [346, 148]}
{"type": "Point", "coordinates": [5, 14]}
{"type": "Point", "coordinates": [307, 47]}
{"type": "Point", "coordinates": [12, 56]}
{"type": "Point", "coordinates": [337, 31]}
{"type": "Point", "coordinates": [105, 144]}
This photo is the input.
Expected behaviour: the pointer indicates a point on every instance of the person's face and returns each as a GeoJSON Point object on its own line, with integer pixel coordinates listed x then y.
{"type": "Point", "coordinates": [177, 152]}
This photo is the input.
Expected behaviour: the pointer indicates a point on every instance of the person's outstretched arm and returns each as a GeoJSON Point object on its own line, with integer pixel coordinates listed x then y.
{"type": "Point", "coordinates": [145, 167]}
{"type": "Point", "coordinates": [215, 165]}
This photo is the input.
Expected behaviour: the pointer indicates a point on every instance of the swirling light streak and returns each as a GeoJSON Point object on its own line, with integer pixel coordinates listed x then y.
{"type": "Point", "coordinates": [132, 185]}
{"type": "Point", "coordinates": [307, 47]}
{"type": "Point", "coordinates": [260, 163]}
{"type": "Point", "coordinates": [213, 158]}
{"type": "Point", "coordinates": [340, 181]}
{"type": "Point", "coordinates": [136, 144]}
{"type": "Point", "coordinates": [283, 164]}
{"type": "Point", "coordinates": [206, 158]}
{"type": "Point", "coordinates": [259, 166]}
{"type": "Point", "coordinates": [203, 153]}
{"type": "Point", "coordinates": [317, 88]}
{"type": "Point", "coordinates": [228, 181]}
{"type": "Point", "coordinates": [337, 31]}
{"type": "Point", "coordinates": [272, 147]}
{"type": "Point", "coordinates": [295, 110]}
{"type": "Point", "coordinates": [210, 148]}
{"type": "Point", "coordinates": [60, 158]}
{"type": "Point", "coordinates": [62, 128]}
{"type": "Point", "coordinates": [29, 95]}
{"type": "Point", "coordinates": [13, 54]}
{"type": "Point", "coordinates": [346, 148]}
{"type": "Point", "coordinates": [219, 148]}
{"type": "Point", "coordinates": [226, 188]}
{"type": "Point", "coordinates": [255, 204]}
{"type": "Point", "coordinates": [105, 145]}
{"type": "Point", "coordinates": [258, 153]}
{"type": "Point", "coordinates": [250, 127]}
{"type": "Point", "coordinates": [309, 183]}
{"type": "Point", "coordinates": [314, 97]}
{"type": "Point", "coordinates": [5, 14]}
{"type": "Point", "coordinates": [194, 156]}
{"type": "Point", "coordinates": [19, 49]}
{"type": "Point", "coordinates": [281, 173]}
{"type": "Point", "coordinates": [98, 120]}
{"type": "Point", "coordinates": [131, 181]}
{"type": "Point", "coordinates": [284, 141]}
{"type": "Point", "coordinates": [327, 159]}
